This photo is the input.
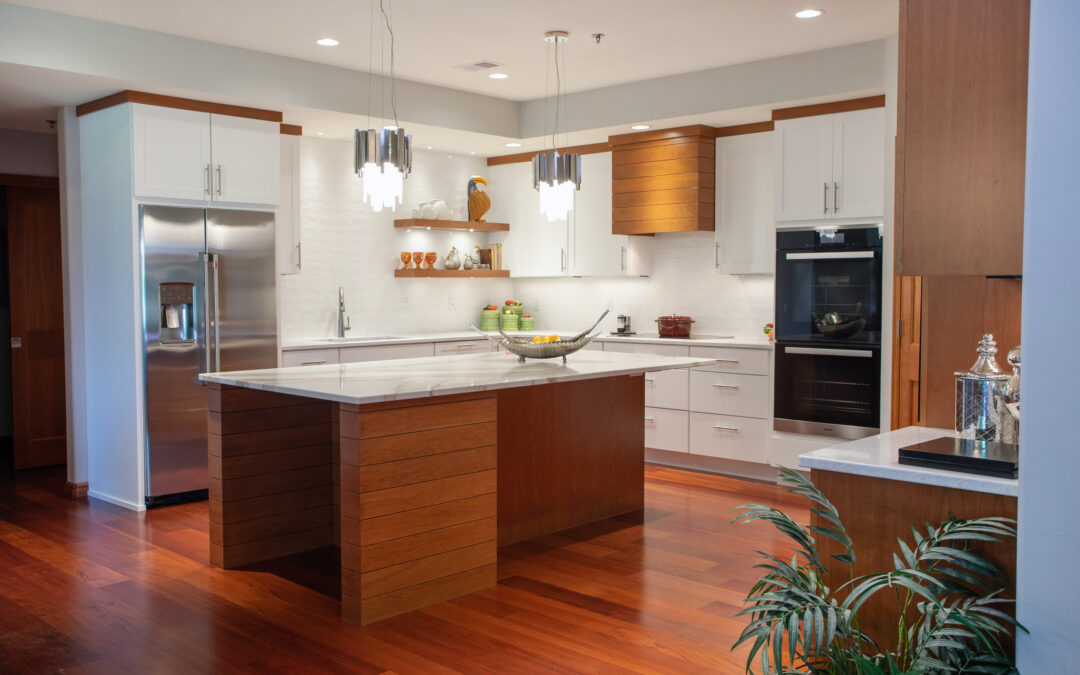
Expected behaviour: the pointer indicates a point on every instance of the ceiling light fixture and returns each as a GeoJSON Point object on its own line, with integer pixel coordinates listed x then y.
{"type": "Point", "coordinates": [809, 13]}
{"type": "Point", "coordinates": [513, 145]}
{"type": "Point", "coordinates": [383, 158]}
{"type": "Point", "coordinates": [639, 127]}
{"type": "Point", "coordinates": [556, 176]}
{"type": "Point", "coordinates": [498, 76]}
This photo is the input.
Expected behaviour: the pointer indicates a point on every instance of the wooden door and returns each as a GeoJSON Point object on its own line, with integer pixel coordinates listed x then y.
{"type": "Point", "coordinates": [803, 162]}
{"type": "Point", "coordinates": [39, 414]}
{"type": "Point", "coordinates": [961, 134]}
{"type": "Point", "coordinates": [956, 312]}
{"type": "Point", "coordinates": [171, 153]}
{"type": "Point", "coordinates": [907, 351]}
{"type": "Point", "coordinates": [858, 189]}
{"type": "Point", "coordinates": [247, 160]}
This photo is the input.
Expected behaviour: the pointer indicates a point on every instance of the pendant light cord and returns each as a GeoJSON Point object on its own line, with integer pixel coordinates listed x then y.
{"type": "Point", "coordinates": [393, 78]}
{"type": "Point", "coordinates": [370, 58]}
{"type": "Point", "coordinates": [558, 90]}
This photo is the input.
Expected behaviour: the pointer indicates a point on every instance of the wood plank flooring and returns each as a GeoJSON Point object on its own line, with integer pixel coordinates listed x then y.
{"type": "Point", "coordinates": [86, 587]}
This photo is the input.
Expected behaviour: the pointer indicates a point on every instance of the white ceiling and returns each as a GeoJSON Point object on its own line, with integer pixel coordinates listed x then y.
{"type": "Point", "coordinates": [644, 38]}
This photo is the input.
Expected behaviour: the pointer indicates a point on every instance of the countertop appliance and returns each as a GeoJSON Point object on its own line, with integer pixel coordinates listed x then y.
{"type": "Point", "coordinates": [623, 325]}
{"type": "Point", "coordinates": [986, 458]}
{"type": "Point", "coordinates": [208, 305]}
{"type": "Point", "coordinates": [828, 330]}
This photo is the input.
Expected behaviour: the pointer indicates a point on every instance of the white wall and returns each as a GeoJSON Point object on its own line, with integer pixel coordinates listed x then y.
{"type": "Point", "coordinates": [346, 244]}
{"type": "Point", "coordinates": [684, 281]}
{"type": "Point", "coordinates": [28, 153]}
{"type": "Point", "coordinates": [1049, 545]}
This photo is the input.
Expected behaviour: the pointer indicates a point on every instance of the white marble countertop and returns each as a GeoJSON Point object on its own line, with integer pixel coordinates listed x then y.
{"type": "Point", "coordinates": [376, 381]}
{"type": "Point", "coordinates": [705, 341]}
{"type": "Point", "coordinates": [876, 457]}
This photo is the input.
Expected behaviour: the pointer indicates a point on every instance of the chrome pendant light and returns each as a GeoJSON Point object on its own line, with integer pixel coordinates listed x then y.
{"type": "Point", "coordinates": [556, 176]}
{"type": "Point", "coordinates": [383, 157]}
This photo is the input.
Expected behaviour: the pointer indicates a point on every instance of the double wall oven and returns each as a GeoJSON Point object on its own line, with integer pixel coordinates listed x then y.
{"type": "Point", "coordinates": [828, 331]}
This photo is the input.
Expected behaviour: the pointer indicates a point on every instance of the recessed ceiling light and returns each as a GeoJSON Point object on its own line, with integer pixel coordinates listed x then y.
{"type": "Point", "coordinates": [809, 13]}
{"type": "Point", "coordinates": [639, 127]}
{"type": "Point", "coordinates": [429, 147]}
{"type": "Point", "coordinates": [472, 153]}
{"type": "Point", "coordinates": [318, 133]}
{"type": "Point", "coordinates": [327, 42]}
{"type": "Point", "coordinates": [498, 76]}
{"type": "Point", "coordinates": [513, 145]}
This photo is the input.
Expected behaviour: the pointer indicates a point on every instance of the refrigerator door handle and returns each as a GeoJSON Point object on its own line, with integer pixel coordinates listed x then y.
{"type": "Point", "coordinates": [204, 324]}
{"type": "Point", "coordinates": [214, 261]}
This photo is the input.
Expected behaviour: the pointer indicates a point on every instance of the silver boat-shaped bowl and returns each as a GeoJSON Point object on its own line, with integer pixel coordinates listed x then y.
{"type": "Point", "coordinates": [527, 349]}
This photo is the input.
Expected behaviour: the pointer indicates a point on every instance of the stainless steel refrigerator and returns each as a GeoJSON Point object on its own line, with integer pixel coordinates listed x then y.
{"type": "Point", "coordinates": [208, 305]}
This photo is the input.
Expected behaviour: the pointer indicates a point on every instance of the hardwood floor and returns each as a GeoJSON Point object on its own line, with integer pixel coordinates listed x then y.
{"type": "Point", "coordinates": [86, 587]}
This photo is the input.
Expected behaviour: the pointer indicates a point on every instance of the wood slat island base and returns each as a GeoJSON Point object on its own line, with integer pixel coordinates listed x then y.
{"type": "Point", "coordinates": [420, 493]}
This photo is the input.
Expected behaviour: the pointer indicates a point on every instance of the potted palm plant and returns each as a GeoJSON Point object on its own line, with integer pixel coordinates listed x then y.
{"type": "Point", "coordinates": [950, 599]}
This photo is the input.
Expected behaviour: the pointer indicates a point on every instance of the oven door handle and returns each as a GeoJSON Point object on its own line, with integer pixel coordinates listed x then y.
{"type": "Point", "coordinates": [832, 255]}
{"type": "Point", "coordinates": [814, 351]}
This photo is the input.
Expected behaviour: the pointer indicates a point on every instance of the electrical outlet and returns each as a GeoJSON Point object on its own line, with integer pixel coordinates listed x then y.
{"type": "Point", "coordinates": [402, 305]}
{"type": "Point", "coordinates": [451, 302]}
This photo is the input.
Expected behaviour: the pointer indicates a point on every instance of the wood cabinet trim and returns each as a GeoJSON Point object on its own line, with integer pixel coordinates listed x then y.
{"type": "Point", "coordinates": [146, 98]}
{"type": "Point", "coordinates": [830, 108]}
{"type": "Point", "coordinates": [741, 129]}
{"type": "Point", "coordinates": [587, 149]}
{"type": "Point", "coordinates": [292, 130]}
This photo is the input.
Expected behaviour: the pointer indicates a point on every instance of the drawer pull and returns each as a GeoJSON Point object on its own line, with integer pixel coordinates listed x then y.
{"type": "Point", "coordinates": [649, 419]}
{"type": "Point", "coordinates": [721, 427]}
{"type": "Point", "coordinates": [650, 379]}
{"type": "Point", "coordinates": [726, 386]}
{"type": "Point", "coordinates": [313, 363]}
{"type": "Point", "coordinates": [727, 360]}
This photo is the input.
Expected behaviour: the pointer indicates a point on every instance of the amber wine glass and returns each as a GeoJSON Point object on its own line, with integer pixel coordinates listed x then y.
{"type": "Point", "coordinates": [406, 258]}
{"type": "Point", "coordinates": [417, 258]}
{"type": "Point", "coordinates": [430, 258]}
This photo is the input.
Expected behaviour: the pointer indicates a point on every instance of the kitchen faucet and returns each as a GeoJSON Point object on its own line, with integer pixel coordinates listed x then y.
{"type": "Point", "coordinates": [343, 322]}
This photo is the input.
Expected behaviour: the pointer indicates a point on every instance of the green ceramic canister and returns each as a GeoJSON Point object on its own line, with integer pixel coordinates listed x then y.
{"type": "Point", "coordinates": [527, 323]}
{"type": "Point", "coordinates": [489, 320]}
{"type": "Point", "coordinates": [509, 321]}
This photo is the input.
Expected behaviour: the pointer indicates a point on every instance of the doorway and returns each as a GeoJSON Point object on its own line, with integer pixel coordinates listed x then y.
{"type": "Point", "coordinates": [33, 406]}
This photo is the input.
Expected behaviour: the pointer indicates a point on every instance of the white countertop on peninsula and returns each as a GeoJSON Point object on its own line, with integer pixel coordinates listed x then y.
{"type": "Point", "coordinates": [450, 336]}
{"type": "Point", "coordinates": [876, 457]}
{"type": "Point", "coordinates": [376, 381]}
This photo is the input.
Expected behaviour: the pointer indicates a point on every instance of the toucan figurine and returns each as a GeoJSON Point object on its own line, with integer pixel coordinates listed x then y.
{"type": "Point", "coordinates": [479, 202]}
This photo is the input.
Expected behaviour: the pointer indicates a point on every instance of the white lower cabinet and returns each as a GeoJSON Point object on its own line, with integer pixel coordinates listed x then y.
{"type": "Point", "coordinates": [386, 352]}
{"type": "Point", "coordinates": [667, 389]}
{"type": "Point", "coordinates": [646, 348]}
{"type": "Point", "coordinates": [729, 393]}
{"type": "Point", "coordinates": [734, 360]}
{"type": "Point", "coordinates": [666, 429]}
{"type": "Point", "coordinates": [786, 447]}
{"type": "Point", "coordinates": [463, 347]}
{"type": "Point", "coordinates": [742, 438]}
{"type": "Point", "coordinates": [308, 357]}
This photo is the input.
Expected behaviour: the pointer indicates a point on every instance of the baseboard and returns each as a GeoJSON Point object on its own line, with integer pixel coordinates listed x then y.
{"type": "Point", "coordinates": [75, 490]}
{"type": "Point", "coordinates": [725, 467]}
{"type": "Point", "coordinates": [133, 506]}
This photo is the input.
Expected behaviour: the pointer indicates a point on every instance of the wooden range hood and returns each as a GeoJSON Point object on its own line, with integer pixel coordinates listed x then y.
{"type": "Point", "coordinates": [664, 181]}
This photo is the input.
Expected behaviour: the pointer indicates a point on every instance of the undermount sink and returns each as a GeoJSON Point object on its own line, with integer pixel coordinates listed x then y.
{"type": "Point", "coordinates": [366, 338]}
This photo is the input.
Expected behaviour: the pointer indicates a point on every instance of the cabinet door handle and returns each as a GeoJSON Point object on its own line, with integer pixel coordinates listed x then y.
{"type": "Point", "coordinates": [721, 427]}
{"type": "Point", "coordinates": [716, 255]}
{"type": "Point", "coordinates": [562, 259]}
{"type": "Point", "coordinates": [299, 256]}
{"type": "Point", "coordinates": [825, 197]}
{"type": "Point", "coordinates": [219, 180]}
{"type": "Point", "coordinates": [649, 419]}
{"type": "Point", "coordinates": [835, 197]}
{"type": "Point", "coordinates": [206, 179]}
{"type": "Point", "coordinates": [727, 360]}
{"type": "Point", "coordinates": [313, 363]}
{"type": "Point", "coordinates": [726, 386]}
{"type": "Point", "coordinates": [650, 379]}
{"type": "Point", "coordinates": [622, 258]}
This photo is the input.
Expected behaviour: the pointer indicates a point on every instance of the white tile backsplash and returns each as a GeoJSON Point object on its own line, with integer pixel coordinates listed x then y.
{"type": "Point", "coordinates": [347, 244]}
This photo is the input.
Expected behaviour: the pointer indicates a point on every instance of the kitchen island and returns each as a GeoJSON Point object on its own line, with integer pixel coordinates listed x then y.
{"type": "Point", "coordinates": [419, 469]}
{"type": "Point", "coordinates": [880, 500]}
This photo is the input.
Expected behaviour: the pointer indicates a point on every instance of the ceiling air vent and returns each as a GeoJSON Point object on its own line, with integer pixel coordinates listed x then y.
{"type": "Point", "coordinates": [479, 65]}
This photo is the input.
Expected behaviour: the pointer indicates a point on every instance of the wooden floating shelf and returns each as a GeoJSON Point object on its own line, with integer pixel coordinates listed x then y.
{"type": "Point", "coordinates": [430, 224]}
{"type": "Point", "coordinates": [460, 274]}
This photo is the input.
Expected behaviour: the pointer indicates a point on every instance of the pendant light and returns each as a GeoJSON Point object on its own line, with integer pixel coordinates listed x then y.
{"type": "Point", "coordinates": [383, 157]}
{"type": "Point", "coordinates": [556, 176]}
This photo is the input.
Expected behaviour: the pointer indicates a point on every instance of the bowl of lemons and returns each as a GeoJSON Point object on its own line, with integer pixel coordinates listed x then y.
{"type": "Point", "coordinates": [543, 346]}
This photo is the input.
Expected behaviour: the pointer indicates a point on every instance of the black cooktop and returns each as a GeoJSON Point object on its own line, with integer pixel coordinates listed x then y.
{"type": "Point", "coordinates": [986, 458]}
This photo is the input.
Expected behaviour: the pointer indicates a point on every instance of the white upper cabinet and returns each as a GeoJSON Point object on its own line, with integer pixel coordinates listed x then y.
{"type": "Point", "coordinates": [745, 227]}
{"type": "Point", "coordinates": [595, 251]}
{"type": "Point", "coordinates": [287, 215]}
{"type": "Point", "coordinates": [203, 157]}
{"type": "Point", "coordinates": [830, 166]}
{"type": "Point", "coordinates": [172, 153]}
{"type": "Point", "coordinates": [539, 247]}
{"type": "Point", "coordinates": [859, 164]}
{"type": "Point", "coordinates": [247, 160]}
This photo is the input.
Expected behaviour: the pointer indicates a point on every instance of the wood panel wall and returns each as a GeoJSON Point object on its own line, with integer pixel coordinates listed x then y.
{"type": "Point", "coordinates": [271, 475]}
{"type": "Point", "coordinates": [664, 181]}
{"type": "Point", "coordinates": [418, 503]}
{"type": "Point", "coordinates": [961, 133]}
{"type": "Point", "coordinates": [907, 351]}
{"type": "Point", "coordinates": [876, 512]}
